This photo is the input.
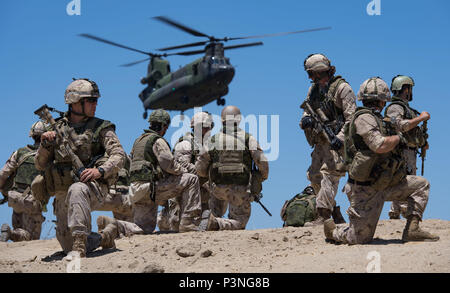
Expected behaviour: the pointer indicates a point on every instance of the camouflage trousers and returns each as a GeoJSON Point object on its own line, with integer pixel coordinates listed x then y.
{"type": "Point", "coordinates": [73, 210]}
{"type": "Point", "coordinates": [184, 187]}
{"type": "Point", "coordinates": [410, 157]}
{"type": "Point", "coordinates": [366, 205]}
{"type": "Point", "coordinates": [324, 175]}
{"type": "Point", "coordinates": [234, 197]}
{"type": "Point", "coordinates": [27, 217]}
{"type": "Point", "coordinates": [169, 217]}
{"type": "Point", "coordinates": [118, 202]}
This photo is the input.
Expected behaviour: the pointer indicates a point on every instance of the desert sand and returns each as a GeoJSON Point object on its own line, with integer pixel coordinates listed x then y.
{"type": "Point", "coordinates": [280, 250]}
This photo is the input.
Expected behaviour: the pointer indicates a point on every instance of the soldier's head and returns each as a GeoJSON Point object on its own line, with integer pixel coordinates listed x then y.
{"type": "Point", "coordinates": [401, 86]}
{"type": "Point", "coordinates": [231, 115]}
{"type": "Point", "coordinates": [159, 121]}
{"type": "Point", "coordinates": [202, 121]}
{"type": "Point", "coordinates": [37, 129]}
{"type": "Point", "coordinates": [319, 69]}
{"type": "Point", "coordinates": [81, 95]}
{"type": "Point", "coordinates": [374, 93]}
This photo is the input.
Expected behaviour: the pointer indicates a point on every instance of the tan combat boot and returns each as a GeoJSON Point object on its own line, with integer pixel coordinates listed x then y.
{"type": "Point", "coordinates": [5, 233]}
{"type": "Point", "coordinates": [79, 244]}
{"type": "Point", "coordinates": [103, 221]}
{"type": "Point", "coordinates": [394, 215]}
{"type": "Point", "coordinates": [412, 231]}
{"type": "Point", "coordinates": [108, 235]}
{"type": "Point", "coordinates": [323, 214]}
{"type": "Point", "coordinates": [328, 227]}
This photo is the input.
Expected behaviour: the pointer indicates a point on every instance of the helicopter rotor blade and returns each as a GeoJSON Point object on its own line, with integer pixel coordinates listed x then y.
{"type": "Point", "coordinates": [278, 34]}
{"type": "Point", "coordinates": [114, 44]}
{"type": "Point", "coordinates": [134, 63]}
{"type": "Point", "coordinates": [184, 46]}
{"type": "Point", "coordinates": [180, 26]}
{"type": "Point", "coordinates": [187, 53]}
{"type": "Point", "coordinates": [243, 45]}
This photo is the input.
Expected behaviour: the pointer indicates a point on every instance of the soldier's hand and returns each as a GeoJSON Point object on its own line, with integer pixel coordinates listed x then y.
{"type": "Point", "coordinates": [90, 174]}
{"type": "Point", "coordinates": [48, 136]}
{"type": "Point", "coordinates": [307, 122]}
{"type": "Point", "coordinates": [426, 146]}
{"type": "Point", "coordinates": [336, 144]}
{"type": "Point", "coordinates": [424, 116]}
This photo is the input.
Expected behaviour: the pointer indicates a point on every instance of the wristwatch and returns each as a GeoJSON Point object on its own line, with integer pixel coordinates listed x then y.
{"type": "Point", "coordinates": [102, 171]}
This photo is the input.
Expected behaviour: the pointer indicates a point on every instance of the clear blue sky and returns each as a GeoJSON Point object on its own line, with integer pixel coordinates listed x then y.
{"type": "Point", "coordinates": [40, 52]}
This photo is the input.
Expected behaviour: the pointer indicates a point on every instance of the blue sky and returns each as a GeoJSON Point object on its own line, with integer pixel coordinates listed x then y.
{"type": "Point", "coordinates": [40, 52]}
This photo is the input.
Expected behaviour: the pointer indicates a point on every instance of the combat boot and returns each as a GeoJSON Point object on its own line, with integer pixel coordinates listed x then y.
{"type": "Point", "coordinates": [328, 227]}
{"type": "Point", "coordinates": [103, 221]}
{"type": "Point", "coordinates": [79, 244]}
{"type": "Point", "coordinates": [412, 231]}
{"type": "Point", "coordinates": [323, 214]}
{"type": "Point", "coordinates": [337, 216]}
{"type": "Point", "coordinates": [6, 233]}
{"type": "Point", "coordinates": [394, 215]}
{"type": "Point", "coordinates": [108, 235]}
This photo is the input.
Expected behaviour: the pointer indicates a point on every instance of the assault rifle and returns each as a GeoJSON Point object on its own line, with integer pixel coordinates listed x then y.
{"type": "Point", "coordinates": [423, 151]}
{"type": "Point", "coordinates": [256, 187]}
{"type": "Point", "coordinates": [320, 118]}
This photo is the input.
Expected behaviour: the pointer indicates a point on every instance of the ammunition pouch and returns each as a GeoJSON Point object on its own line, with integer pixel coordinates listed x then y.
{"type": "Point", "coordinates": [62, 177]}
{"type": "Point", "coordinates": [228, 168]}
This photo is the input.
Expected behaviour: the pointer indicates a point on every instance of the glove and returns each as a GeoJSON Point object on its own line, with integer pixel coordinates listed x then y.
{"type": "Point", "coordinates": [307, 122]}
{"type": "Point", "coordinates": [336, 144]}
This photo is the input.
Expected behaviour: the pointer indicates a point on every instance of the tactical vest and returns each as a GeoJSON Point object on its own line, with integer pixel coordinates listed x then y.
{"type": "Point", "coordinates": [144, 164]}
{"type": "Point", "coordinates": [230, 166]}
{"type": "Point", "coordinates": [367, 167]}
{"type": "Point", "coordinates": [26, 170]}
{"type": "Point", "coordinates": [327, 103]}
{"type": "Point", "coordinates": [86, 145]}
{"type": "Point", "coordinates": [415, 137]}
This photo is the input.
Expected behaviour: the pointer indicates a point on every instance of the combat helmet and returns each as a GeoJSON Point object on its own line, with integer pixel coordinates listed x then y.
{"type": "Point", "coordinates": [231, 113]}
{"type": "Point", "coordinates": [160, 116]}
{"type": "Point", "coordinates": [374, 88]}
{"type": "Point", "coordinates": [202, 118]}
{"type": "Point", "coordinates": [37, 129]}
{"type": "Point", "coordinates": [79, 89]}
{"type": "Point", "coordinates": [399, 80]}
{"type": "Point", "coordinates": [316, 62]}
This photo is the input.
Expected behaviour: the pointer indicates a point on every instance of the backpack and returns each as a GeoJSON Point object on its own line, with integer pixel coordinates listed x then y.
{"type": "Point", "coordinates": [300, 209]}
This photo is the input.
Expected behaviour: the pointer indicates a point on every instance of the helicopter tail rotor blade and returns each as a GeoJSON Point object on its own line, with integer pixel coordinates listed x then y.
{"type": "Point", "coordinates": [279, 34]}
{"type": "Point", "coordinates": [114, 44]}
{"type": "Point", "coordinates": [134, 63]}
{"type": "Point", "coordinates": [180, 26]}
{"type": "Point", "coordinates": [184, 46]}
{"type": "Point", "coordinates": [243, 45]}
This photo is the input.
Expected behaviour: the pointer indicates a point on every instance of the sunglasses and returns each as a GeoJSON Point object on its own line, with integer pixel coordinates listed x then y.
{"type": "Point", "coordinates": [91, 99]}
{"type": "Point", "coordinates": [318, 75]}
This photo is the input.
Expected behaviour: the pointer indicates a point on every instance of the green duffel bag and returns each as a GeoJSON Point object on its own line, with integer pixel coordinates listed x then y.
{"type": "Point", "coordinates": [300, 209]}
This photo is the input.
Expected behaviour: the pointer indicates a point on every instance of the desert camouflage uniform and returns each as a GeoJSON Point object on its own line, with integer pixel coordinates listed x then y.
{"type": "Point", "coordinates": [27, 216]}
{"type": "Point", "coordinates": [176, 183]}
{"type": "Point", "coordinates": [73, 204]}
{"type": "Point", "coordinates": [326, 164]}
{"type": "Point", "coordinates": [185, 154]}
{"type": "Point", "coordinates": [366, 203]}
{"type": "Point", "coordinates": [409, 153]}
{"type": "Point", "coordinates": [236, 197]}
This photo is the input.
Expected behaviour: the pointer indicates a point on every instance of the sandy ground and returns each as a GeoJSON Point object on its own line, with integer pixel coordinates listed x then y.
{"type": "Point", "coordinates": [280, 250]}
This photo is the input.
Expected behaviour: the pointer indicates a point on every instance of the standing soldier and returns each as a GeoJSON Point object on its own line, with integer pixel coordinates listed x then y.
{"type": "Point", "coordinates": [333, 98]}
{"type": "Point", "coordinates": [406, 120]}
{"type": "Point", "coordinates": [377, 173]}
{"type": "Point", "coordinates": [227, 162]}
{"type": "Point", "coordinates": [27, 216]}
{"type": "Point", "coordinates": [156, 177]}
{"type": "Point", "coordinates": [186, 151]}
{"type": "Point", "coordinates": [78, 192]}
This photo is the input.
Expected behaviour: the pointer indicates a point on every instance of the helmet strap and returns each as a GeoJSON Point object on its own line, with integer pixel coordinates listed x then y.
{"type": "Point", "coordinates": [78, 113]}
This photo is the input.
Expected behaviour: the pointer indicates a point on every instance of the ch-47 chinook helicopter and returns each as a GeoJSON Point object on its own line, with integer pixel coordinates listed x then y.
{"type": "Point", "coordinates": [196, 84]}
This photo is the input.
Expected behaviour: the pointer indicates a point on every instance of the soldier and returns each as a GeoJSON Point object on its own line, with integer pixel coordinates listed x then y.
{"type": "Point", "coordinates": [377, 173]}
{"type": "Point", "coordinates": [333, 96]}
{"type": "Point", "coordinates": [406, 120]}
{"type": "Point", "coordinates": [78, 193]}
{"type": "Point", "coordinates": [27, 216]}
{"type": "Point", "coordinates": [227, 163]}
{"type": "Point", "coordinates": [185, 152]}
{"type": "Point", "coordinates": [156, 176]}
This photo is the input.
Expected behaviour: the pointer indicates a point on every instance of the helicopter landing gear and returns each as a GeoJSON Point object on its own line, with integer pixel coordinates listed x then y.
{"type": "Point", "coordinates": [145, 115]}
{"type": "Point", "coordinates": [220, 102]}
